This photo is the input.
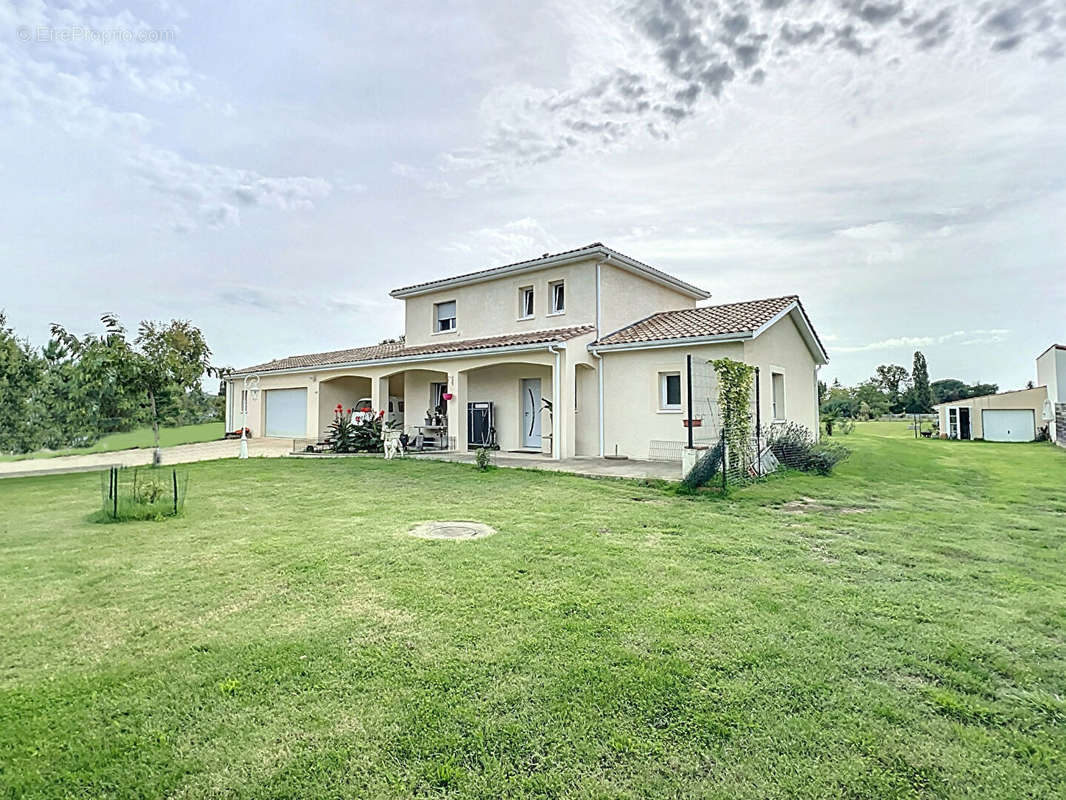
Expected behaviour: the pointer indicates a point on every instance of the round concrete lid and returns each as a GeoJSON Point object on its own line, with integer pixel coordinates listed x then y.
{"type": "Point", "coordinates": [455, 531]}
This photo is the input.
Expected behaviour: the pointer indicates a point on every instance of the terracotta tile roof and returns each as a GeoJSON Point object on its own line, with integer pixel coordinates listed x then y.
{"type": "Point", "coordinates": [738, 318]}
{"type": "Point", "coordinates": [383, 352]}
{"type": "Point", "coordinates": [592, 250]}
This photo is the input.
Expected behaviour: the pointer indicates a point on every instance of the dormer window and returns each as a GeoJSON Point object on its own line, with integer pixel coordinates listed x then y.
{"type": "Point", "coordinates": [445, 316]}
{"type": "Point", "coordinates": [525, 302]}
{"type": "Point", "coordinates": [558, 297]}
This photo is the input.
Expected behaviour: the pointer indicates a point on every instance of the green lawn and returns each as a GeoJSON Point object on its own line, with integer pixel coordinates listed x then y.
{"type": "Point", "coordinates": [142, 437]}
{"type": "Point", "coordinates": [899, 633]}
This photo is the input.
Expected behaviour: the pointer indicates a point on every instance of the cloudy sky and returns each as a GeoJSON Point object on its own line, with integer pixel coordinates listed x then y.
{"type": "Point", "coordinates": [270, 170]}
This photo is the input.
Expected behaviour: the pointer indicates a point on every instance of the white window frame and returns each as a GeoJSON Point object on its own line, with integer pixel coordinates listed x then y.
{"type": "Point", "coordinates": [244, 401]}
{"type": "Point", "coordinates": [777, 414]}
{"type": "Point", "coordinates": [664, 405]}
{"type": "Point", "coordinates": [523, 311]}
{"type": "Point", "coordinates": [556, 309]}
{"type": "Point", "coordinates": [438, 320]}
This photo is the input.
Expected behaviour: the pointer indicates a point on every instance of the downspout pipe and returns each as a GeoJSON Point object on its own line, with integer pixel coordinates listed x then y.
{"type": "Point", "coordinates": [557, 412]}
{"type": "Point", "coordinates": [599, 303]}
{"type": "Point", "coordinates": [596, 353]}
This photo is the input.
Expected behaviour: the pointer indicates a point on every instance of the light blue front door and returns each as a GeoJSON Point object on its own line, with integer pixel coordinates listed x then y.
{"type": "Point", "coordinates": [531, 413]}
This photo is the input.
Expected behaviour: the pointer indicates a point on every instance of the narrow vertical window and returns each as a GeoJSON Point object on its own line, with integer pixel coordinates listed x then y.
{"type": "Point", "coordinates": [558, 295]}
{"type": "Point", "coordinates": [777, 386]}
{"type": "Point", "coordinates": [525, 302]}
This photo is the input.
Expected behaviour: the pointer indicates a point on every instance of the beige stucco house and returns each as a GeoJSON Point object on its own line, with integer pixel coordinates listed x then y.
{"type": "Point", "coordinates": [1016, 416]}
{"type": "Point", "coordinates": [598, 335]}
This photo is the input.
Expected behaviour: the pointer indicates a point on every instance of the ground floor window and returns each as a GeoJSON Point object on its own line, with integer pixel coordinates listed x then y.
{"type": "Point", "coordinates": [777, 395]}
{"type": "Point", "coordinates": [437, 403]}
{"type": "Point", "coordinates": [669, 391]}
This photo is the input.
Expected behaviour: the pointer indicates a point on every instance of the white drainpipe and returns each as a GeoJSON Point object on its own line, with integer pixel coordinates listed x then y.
{"type": "Point", "coordinates": [598, 304]}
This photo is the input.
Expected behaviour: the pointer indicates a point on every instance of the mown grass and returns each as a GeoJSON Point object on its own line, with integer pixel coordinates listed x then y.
{"type": "Point", "coordinates": [142, 437]}
{"type": "Point", "coordinates": [896, 630]}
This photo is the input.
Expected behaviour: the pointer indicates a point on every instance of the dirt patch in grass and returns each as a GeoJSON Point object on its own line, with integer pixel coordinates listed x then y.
{"type": "Point", "coordinates": [808, 505]}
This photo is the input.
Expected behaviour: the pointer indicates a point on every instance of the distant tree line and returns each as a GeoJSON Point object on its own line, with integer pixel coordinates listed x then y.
{"type": "Point", "coordinates": [75, 390]}
{"type": "Point", "coordinates": [894, 390]}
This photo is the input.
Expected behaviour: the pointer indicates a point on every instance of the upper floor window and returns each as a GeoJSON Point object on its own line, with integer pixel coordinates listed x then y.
{"type": "Point", "coordinates": [445, 316]}
{"type": "Point", "coordinates": [558, 295]}
{"type": "Point", "coordinates": [525, 302]}
{"type": "Point", "coordinates": [244, 401]}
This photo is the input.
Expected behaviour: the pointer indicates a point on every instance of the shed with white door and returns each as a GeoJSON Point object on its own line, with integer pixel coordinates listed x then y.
{"type": "Point", "coordinates": [1006, 417]}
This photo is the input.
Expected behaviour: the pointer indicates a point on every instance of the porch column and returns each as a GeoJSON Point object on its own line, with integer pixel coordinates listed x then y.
{"type": "Point", "coordinates": [566, 392]}
{"type": "Point", "coordinates": [457, 409]}
{"type": "Point", "coordinates": [559, 411]}
{"type": "Point", "coordinates": [379, 394]}
{"type": "Point", "coordinates": [229, 407]}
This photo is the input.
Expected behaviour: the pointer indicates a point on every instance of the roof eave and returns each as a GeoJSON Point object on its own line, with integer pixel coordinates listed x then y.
{"type": "Point", "coordinates": [795, 310]}
{"type": "Point", "coordinates": [683, 341]}
{"type": "Point", "coordinates": [607, 254]}
{"type": "Point", "coordinates": [557, 343]}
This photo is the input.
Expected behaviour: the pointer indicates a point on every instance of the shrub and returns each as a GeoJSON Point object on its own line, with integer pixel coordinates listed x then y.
{"type": "Point", "coordinates": [341, 434]}
{"type": "Point", "coordinates": [823, 458]}
{"type": "Point", "coordinates": [704, 470]}
{"type": "Point", "coordinates": [483, 459]}
{"type": "Point", "coordinates": [795, 447]}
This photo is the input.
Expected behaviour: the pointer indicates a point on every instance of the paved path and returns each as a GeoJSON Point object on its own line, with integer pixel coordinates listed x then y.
{"type": "Point", "coordinates": [179, 454]}
{"type": "Point", "coordinates": [584, 465]}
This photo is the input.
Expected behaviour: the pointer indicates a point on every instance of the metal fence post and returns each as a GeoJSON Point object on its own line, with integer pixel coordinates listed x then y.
{"type": "Point", "coordinates": [174, 474]}
{"type": "Point", "coordinates": [688, 378]}
{"type": "Point", "coordinates": [115, 499]}
{"type": "Point", "coordinates": [758, 424]}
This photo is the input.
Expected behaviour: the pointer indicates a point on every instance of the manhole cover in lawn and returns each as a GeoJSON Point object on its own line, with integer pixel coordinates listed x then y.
{"type": "Point", "coordinates": [458, 531]}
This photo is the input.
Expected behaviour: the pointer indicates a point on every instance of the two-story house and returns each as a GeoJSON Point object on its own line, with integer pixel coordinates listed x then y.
{"type": "Point", "coordinates": [580, 353]}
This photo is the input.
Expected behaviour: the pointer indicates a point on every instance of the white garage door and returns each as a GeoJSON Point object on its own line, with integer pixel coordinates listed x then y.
{"type": "Point", "coordinates": [286, 412]}
{"type": "Point", "coordinates": [1009, 424]}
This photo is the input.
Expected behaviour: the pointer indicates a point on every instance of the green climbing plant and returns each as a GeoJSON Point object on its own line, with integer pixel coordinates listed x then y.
{"type": "Point", "coordinates": [734, 400]}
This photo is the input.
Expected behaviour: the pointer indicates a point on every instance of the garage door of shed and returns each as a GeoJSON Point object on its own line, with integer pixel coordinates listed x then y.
{"type": "Point", "coordinates": [1009, 424]}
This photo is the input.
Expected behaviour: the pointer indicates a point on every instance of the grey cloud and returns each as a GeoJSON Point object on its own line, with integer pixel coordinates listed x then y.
{"type": "Point", "coordinates": [736, 24]}
{"type": "Point", "coordinates": [930, 31]}
{"type": "Point", "coordinates": [1053, 52]}
{"type": "Point", "coordinates": [874, 13]}
{"type": "Point", "coordinates": [209, 191]}
{"type": "Point", "coordinates": [796, 35]}
{"type": "Point", "coordinates": [846, 38]}
{"type": "Point", "coordinates": [748, 53]}
{"type": "Point", "coordinates": [701, 46]}
{"type": "Point", "coordinates": [1008, 42]}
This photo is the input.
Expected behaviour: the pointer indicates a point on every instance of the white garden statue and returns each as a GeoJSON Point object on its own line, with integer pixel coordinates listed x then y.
{"type": "Point", "coordinates": [393, 444]}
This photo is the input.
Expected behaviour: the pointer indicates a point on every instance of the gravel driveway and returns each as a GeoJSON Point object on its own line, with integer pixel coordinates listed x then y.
{"type": "Point", "coordinates": [179, 454]}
